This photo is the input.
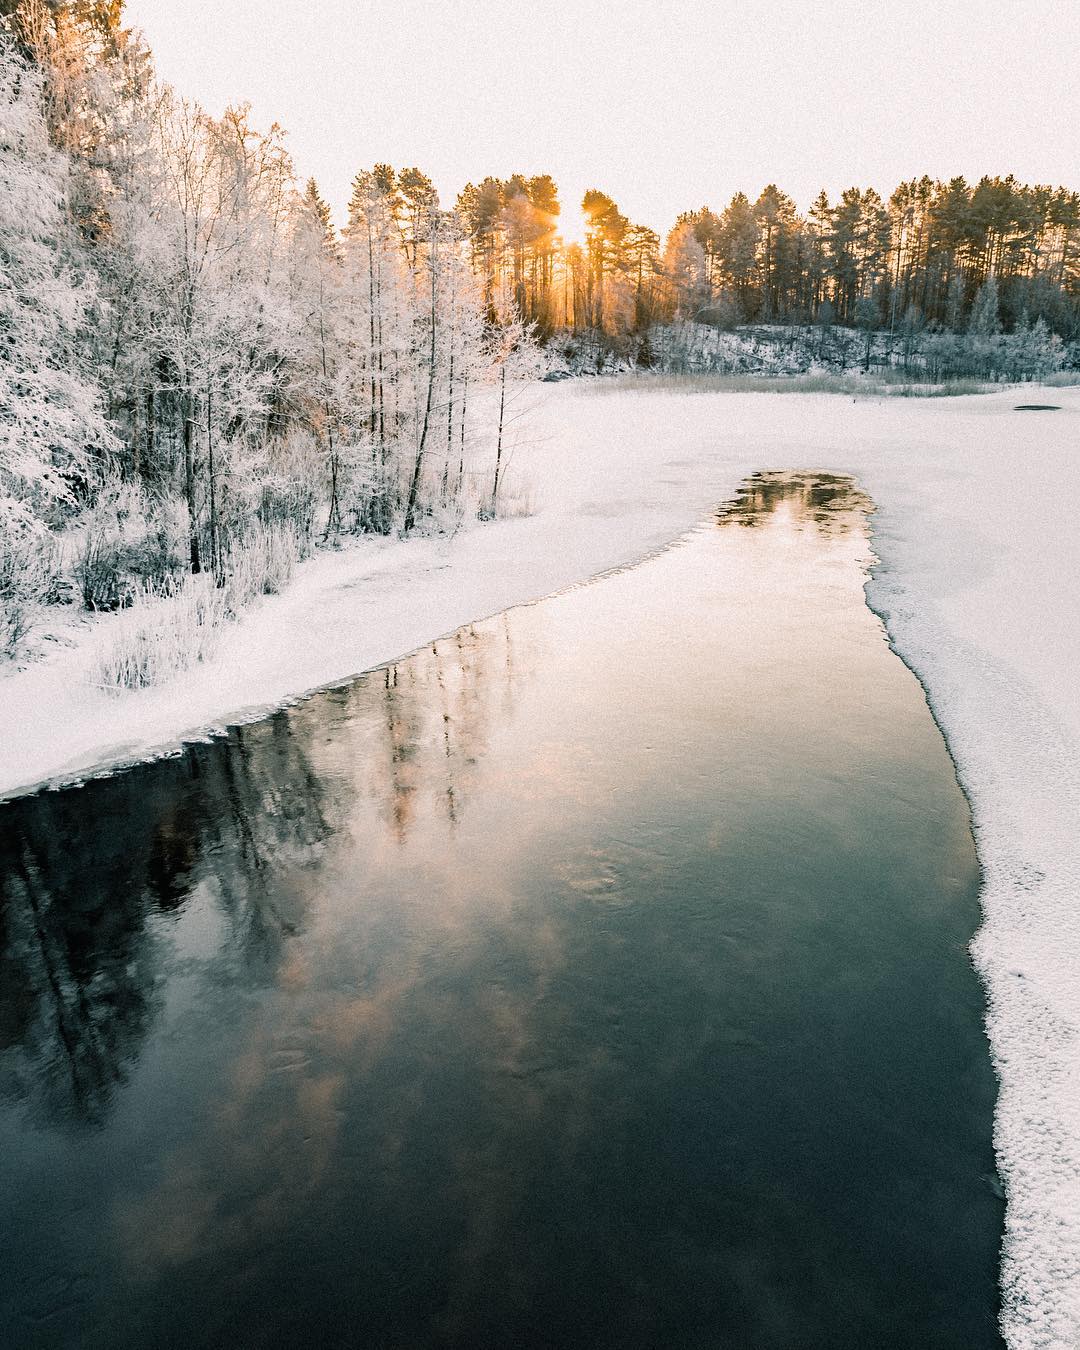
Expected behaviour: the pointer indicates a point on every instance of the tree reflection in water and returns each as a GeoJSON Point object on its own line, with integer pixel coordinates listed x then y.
{"type": "Point", "coordinates": [831, 503]}
{"type": "Point", "coordinates": [90, 877]}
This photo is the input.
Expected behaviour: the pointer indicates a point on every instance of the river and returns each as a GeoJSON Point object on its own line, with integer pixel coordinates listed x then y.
{"type": "Point", "coordinates": [595, 976]}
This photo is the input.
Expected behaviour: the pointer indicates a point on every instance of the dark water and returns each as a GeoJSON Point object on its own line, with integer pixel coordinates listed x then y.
{"type": "Point", "coordinates": [595, 977]}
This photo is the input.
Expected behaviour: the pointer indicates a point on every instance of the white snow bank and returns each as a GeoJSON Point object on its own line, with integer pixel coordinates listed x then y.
{"type": "Point", "coordinates": [979, 554]}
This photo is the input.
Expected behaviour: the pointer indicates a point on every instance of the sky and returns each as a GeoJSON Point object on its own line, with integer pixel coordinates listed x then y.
{"type": "Point", "coordinates": [665, 106]}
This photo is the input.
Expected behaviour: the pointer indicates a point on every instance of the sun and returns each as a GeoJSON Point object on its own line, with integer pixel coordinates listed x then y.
{"type": "Point", "coordinates": [573, 228]}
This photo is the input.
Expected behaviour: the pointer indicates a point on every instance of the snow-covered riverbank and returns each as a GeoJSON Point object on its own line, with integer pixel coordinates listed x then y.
{"type": "Point", "coordinates": [978, 551]}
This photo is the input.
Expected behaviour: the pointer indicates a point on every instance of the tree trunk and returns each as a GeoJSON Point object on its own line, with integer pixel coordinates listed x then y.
{"type": "Point", "coordinates": [450, 389]}
{"type": "Point", "coordinates": [373, 417]}
{"type": "Point", "coordinates": [464, 413]}
{"type": "Point", "coordinates": [498, 444]}
{"type": "Point", "coordinates": [215, 557]}
{"type": "Point", "coordinates": [189, 485]}
{"type": "Point", "coordinates": [418, 465]}
{"type": "Point", "coordinates": [449, 423]}
{"type": "Point", "coordinates": [333, 519]}
{"type": "Point", "coordinates": [148, 454]}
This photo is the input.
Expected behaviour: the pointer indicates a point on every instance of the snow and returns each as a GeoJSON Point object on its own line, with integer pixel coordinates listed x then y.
{"type": "Point", "coordinates": [978, 553]}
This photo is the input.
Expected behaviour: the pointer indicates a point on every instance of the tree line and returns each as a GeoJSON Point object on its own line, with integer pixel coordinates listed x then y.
{"type": "Point", "coordinates": [922, 254]}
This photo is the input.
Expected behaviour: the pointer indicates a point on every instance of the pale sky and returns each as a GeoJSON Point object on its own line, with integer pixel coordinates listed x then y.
{"type": "Point", "coordinates": [665, 106]}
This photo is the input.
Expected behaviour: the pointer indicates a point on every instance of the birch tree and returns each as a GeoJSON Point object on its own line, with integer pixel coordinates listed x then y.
{"type": "Point", "coordinates": [53, 433]}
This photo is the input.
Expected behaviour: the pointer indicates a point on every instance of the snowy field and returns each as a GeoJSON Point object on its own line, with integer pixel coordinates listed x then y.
{"type": "Point", "coordinates": [979, 548]}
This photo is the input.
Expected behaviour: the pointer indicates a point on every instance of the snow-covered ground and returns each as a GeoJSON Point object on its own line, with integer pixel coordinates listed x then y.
{"type": "Point", "coordinates": [979, 551]}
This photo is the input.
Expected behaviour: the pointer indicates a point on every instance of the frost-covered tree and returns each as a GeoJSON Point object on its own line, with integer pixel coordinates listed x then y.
{"type": "Point", "coordinates": [53, 434]}
{"type": "Point", "coordinates": [220, 329]}
{"type": "Point", "coordinates": [316, 277]}
{"type": "Point", "coordinates": [686, 270]}
{"type": "Point", "coordinates": [516, 363]}
{"type": "Point", "coordinates": [1040, 351]}
{"type": "Point", "coordinates": [420, 344]}
{"type": "Point", "coordinates": [985, 321]}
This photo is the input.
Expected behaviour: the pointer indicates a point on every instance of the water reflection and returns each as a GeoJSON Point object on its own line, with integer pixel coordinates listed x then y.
{"type": "Point", "coordinates": [594, 976]}
{"type": "Point", "coordinates": [85, 875]}
{"type": "Point", "coordinates": [828, 502]}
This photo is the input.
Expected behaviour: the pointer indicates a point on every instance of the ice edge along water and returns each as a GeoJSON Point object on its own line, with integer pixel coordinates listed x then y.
{"type": "Point", "coordinates": [977, 546]}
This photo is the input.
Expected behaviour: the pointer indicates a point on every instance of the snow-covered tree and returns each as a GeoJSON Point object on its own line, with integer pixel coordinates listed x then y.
{"type": "Point", "coordinates": [685, 269]}
{"type": "Point", "coordinates": [985, 321]}
{"type": "Point", "coordinates": [53, 434]}
{"type": "Point", "coordinates": [315, 277]}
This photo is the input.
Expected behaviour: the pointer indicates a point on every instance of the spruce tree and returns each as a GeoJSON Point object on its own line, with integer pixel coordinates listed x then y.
{"type": "Point", "coordinates": [985, 321]}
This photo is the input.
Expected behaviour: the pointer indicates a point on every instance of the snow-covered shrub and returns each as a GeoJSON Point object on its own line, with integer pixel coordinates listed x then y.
{"type": "Point", "coordinates": [366, 491]}
{"type": "Point", "coordinates": [1034, 352]}
{"type": "Point", "coordinates": [290, 490]}
{"type": "Point", "coordinates": [290, 504]}
{"type": "Point", "coordinates": [161, 554]}
{"type": "Point", "coordinates": [516, 499]}
{"type": "Point", "coordinates": [98, 572]}
{"type": "Point", "coordinates": [261, 564]}
{"type": "Point", "coordinates": [264, 499]}
{"type": "Point", "coordinates": [130, 539]}
{"type": "Point", "coordinates": [27, 578]}
{"type": "Point", "coordinates": [1029, 352]}
{"type": "Point", "coordinates": [163, 632]}
{"type": "Point", "coordinates": [171, 625]}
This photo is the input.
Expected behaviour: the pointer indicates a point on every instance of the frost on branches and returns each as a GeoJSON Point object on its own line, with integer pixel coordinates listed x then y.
{"type": "Point", "coordinates": [52, 430]}
{"type": "Point", "coordinates": [199, 378]}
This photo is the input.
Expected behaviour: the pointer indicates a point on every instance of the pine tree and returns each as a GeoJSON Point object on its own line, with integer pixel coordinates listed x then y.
{"type": "Point", "coordinates": [685, 270]}
{"type": "Point", "coordinates": [738, 250]}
